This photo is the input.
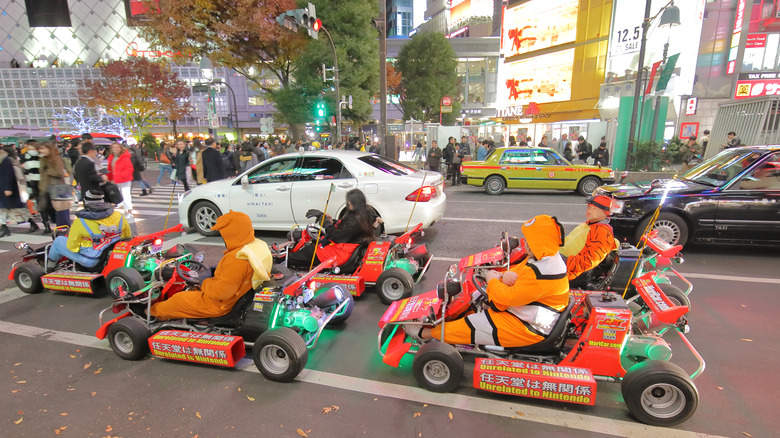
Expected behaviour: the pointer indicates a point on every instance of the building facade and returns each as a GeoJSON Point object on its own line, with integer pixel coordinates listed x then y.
{"type": "Point", "coordinates": [400, 16]}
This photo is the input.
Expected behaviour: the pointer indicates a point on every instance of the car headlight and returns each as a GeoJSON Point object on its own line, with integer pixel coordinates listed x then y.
{"type": "Point", "coordinates": [617, 206]}
{"type": "Point", "coordinates": [612, 174]}
{"type": "Point", "coordinates": [183, 195]}
{"type": "Point", "coordinates": [452, 272]}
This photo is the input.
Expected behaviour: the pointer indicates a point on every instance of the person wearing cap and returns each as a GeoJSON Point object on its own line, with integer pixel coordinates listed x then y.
{"type": "Point", "coordinates": [96, 227]}
{"type": "Point", "coordinates": [588, 244]}
{"type": "Point", "coordinates": [245, 265]}
{"type": "Point", "coordinates": [525, 301]}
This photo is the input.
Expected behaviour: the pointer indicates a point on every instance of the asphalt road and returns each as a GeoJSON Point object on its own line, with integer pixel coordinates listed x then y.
{"type": "Point", "coordinates": [61, 380]}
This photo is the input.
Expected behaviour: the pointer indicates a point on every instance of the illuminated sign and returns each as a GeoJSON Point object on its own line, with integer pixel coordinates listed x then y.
{"type": "Point", "coordinates": [735, 37]}
{"type": "Point", "coordinates": [690, 107]}
{"type": "Point", "coordinates": [538, 25]}
{"type": "Point", "coordinates": [461, 10]}
{"type": "Point", "coordinates": [137, 11]}
{"type": "Point", "coordinates": [545, 78]}
{"type": "Point", "coordinates": [132, 50]}
{"type": "Point", "coordinates": [755, 40]}
{"type": "Point", "coordinates": [757, 85]}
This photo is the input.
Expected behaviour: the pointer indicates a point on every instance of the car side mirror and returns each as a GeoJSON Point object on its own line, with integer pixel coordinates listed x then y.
{"type": "Point", "coordinates": [245, 182]}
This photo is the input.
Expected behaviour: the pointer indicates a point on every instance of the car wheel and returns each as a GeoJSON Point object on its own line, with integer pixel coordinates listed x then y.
{"type": "Point", "coordinates": [124, 280]}
{"type": "Point", "coordinates": [129, 338]}
{"type": "Point", "coordinates": [280, 354]}
{"type": "Point", "coordinates": [204, 216]}
{"type": "Point", "coordinates": [587, 185]}
{"type": "Point", "coordinates": [438, 367]}
{"type": "Point", "coordinates": [394, 284]}
{"type": "Point", "coordinates": [342, 316]}
{"type": "Point", "coordinates": [671, 228]}
{"type": "Point", "coordinates": [659, 393]}
{"type": "Point", "coordinates": [494, 185]}
{"type": "Point", "coordinates": [27, 277]}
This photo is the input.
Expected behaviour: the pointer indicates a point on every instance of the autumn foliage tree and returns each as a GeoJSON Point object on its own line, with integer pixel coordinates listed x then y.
{"type": "Point", "coordinates": [394, 85]}
{"type": "Point", "coordinates": [138, 90]}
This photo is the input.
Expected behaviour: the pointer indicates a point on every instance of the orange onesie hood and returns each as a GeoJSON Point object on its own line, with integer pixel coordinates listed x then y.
{"type": "Point", "coordinates": [236, 229]}
{"type": "Point", "coordinates": [544, 235]}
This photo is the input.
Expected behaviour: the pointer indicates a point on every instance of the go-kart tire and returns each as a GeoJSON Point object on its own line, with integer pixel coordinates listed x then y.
{"type": "Point", "coordinates": [659, 393]}
{"type": "Point", "coordinates": [203, 216]}
{"type": "Point", "coordinates": [671, 228]}
{"type": "Point", "coordinates": [127, 278]}
{"type": "Point", "coordinates": [129, 338]}
{"type": "Point", "coordinates": [280, 354]}
{"type": "Point", "coordinates": [494, 185]}
{"type": "Point", "coordinates": [394, 284]}
{"type": "Point", "coordinates": [438, 367]}
{"type": "Point", "coordinates": [587, 185]}
{"type": "Point", "coordinates": [27, 277]}
{"type": "Point", "coordinates": [345, 312]}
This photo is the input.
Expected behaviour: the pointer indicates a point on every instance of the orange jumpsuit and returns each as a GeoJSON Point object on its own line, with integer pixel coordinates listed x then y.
{"type": "Point", "coordinates": [586, 246]}
{"type": "Point", "coordinates": [524, 313]}
{"type": "Point", "coordinates": [232, 278]}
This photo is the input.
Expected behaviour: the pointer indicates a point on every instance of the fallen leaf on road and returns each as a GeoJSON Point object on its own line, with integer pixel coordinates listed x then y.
{"type": "Point", "coordinates": [109, 428]}
{"type": "Point", "coordinates": [743, 305]}
{"type": "Point", "coordinates": [71, 389]}
{"type": "Point", "coordinates": [719, 387]}
{"type": "Point", "coordinates": [746, 340]}
{"type": "Point", "coordinates": [417, 414]}
{"type": "Point", "coordinates": [746, 434]}
{"type": "Point", "coordinates": [250, 398]}
{"type": "Point", "coordinates": [17, 364]}
{"type": "Point", "coordinates": [93, 393]}
{"type": "Point", "coordinates": [64, 414]}
{"type": "Point", "coordinates": [197, 414]}
{"type": "Point", "coordinates": [59, 431]}
{"type": "Point", "coordinates": [14, 391]}
{"type": "Point", "coordinates": [519, 413]}
{"type": "Point", "coordinates": [72, 356]}
{"type": "Point", "coordinates": [20, 412]}
{"type": "Point", "coordinates": [328, 409]}
{"type": "Point", "coordinates": [98, 370]}
{"type": "Point", "coordinates": [239, 389]}
{"type": "Point", "coordinates": [19, 420]}
{"type": "Point", "coordinates": [450, 415]}
{"type": "Point", "coordinates": [425, 405]}
{"type": "Point", "coordinates": [22, 381]}
{"type": "Point", "coordinates": [302, 433]}
{"type": "Point", "coordinates": [87, 365]}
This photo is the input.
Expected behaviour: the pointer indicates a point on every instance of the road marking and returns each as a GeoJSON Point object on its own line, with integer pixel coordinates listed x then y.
{"type": "Point", "coordinates": [184, 239]}
{"type": "Point", "coordinates": [514, 202]}
{"type": "Point", "coordinates": [11, 294]}
{"type": "Point", "coordinates": [500, 221]}
{"type": "Point", "coordinates": [33, 239]}
{"type": "Point", "coordinates": [555, 417]}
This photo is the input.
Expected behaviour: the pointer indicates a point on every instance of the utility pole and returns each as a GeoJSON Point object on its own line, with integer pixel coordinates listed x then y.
{"type": "Point", "coordinates": [381, 25]}
{"type": "Point", "coordinates": [335, 84]}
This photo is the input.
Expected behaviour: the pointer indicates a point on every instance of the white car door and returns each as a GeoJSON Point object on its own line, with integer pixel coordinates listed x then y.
{"type": "Point", "coordinates": [264, 193]}
{"type": "Point", "coordinates": [310, 190]}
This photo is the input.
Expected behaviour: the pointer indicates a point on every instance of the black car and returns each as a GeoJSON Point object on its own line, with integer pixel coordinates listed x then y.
{"type": "Point", "coordinates": [732, 197]}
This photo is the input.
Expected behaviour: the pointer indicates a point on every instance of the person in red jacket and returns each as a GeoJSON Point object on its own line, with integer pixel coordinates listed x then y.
{"type": "Point", "coordinates": [120, 172]}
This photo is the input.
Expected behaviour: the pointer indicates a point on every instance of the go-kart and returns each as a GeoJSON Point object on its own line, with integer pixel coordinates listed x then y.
{"type": "Point", "coordinates": [281, 320]}
{"type": "Point", "coordinates": [391, 264]}
{"type": "Point", "coordinates": [593, 340]}
{"type": "Point", "coordinates": [125, 265]}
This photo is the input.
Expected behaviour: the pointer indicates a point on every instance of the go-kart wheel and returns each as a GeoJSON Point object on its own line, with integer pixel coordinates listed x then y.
{"type": "Point", "coordinates": [192, 275]}
{"type": "Point", "coordinates": [659, 393]}
{"type": "Point", "coordinates": [280, 354]}
{"type": "Point", "coordinates": [124, 280]}
{"type": "Point", "coordinates": [438, 367]}
{"type": "Point", "coordinates": [203, 216]}
{"type": "Point", "coordinates": [27, 277]}
{"type": "Point", "coordinates": [394, 284]}
{"type": "Point", "coordinates": [129, 338]}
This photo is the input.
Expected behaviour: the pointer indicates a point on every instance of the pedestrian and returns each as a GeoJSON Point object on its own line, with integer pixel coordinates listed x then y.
{"type": "Point", "coordinates": [704, 141]}
{"type": "Point", "coordinates": [418, 156]}
{"type": "Point", "coordinates": [447, 154]}
{"type": "Point", "coordinates": [13, 191]}
{"type": "Point", "coordinates": [230, 158]}
{"type": "Point", "coordinates": [482, 150]}
{"type": "Point", "coordinates": [258, 150]}
{"type": "Point", "coordinates": [733, 141]}
{"type": "Point", "coordinates": [434, 156]}
{"type": "Point", "coordinates": [87, 170]}
{"type": "Point", "coordinates": [196, 157]}
{"type": "Point", "coordinates": [512, 141]}
{"type": "Point", "coordinates": [563, 143]}
{"type": "Point", "coordinates": [165, 162]}
{"type": "Point", "coordinates": [181, 163]}
{"type": "Point", "coordinates": [73, 150]}
{"type": "Point", "coordinates": [601, 155]}
{"type": "Point", "coordinates": [528, 140]}
{"type": "Point", "coordinates": [691, 154]}
{"type": "Point", "coordinates": [543, 143]}
{"type": "Point", "coordinates": [52, 173]}
{"type": "Point", "coordinates": [584, 149]}
{"type": "Point", "coordinates": [491, 147]}
{"type": "Point", "coordinates": [31, 164]}
{"type": "Point", "coordinates": [464, 146]}
{"type": "Point", "coordinates": [247, 158]}
{"type": "Point", "coordinates": [120, 172]}
{"type": "Point", "coordinates": [567, 152]}
{"type": "Point", "coordinates": [139, 165]}
{"type": "Point", "coordinates": [213, 166]}
{"type": "Point", "coordinates": [457, 160]}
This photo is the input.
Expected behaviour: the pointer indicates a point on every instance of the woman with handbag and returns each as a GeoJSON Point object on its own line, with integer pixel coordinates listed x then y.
{"type": "Point", "coordinates": [120, 172]}
{"type": "Point", "coordinates": [13, 191]}
{"type": "Point", "coordinates": [52, 174]}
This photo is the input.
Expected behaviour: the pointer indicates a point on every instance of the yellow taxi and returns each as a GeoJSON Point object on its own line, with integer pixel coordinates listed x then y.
{"type": "Point", "coordinates": [533, 168]}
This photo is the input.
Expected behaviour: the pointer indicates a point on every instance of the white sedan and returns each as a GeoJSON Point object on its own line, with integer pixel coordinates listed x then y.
{"type": "Point", "coordinates": [277, 193]}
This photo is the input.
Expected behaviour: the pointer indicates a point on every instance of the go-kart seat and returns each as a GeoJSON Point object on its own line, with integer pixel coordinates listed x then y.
{"type": "Point", "coordinates": [233, 318]}
{"type": "Point", "coordinates": [554, 341]}
{"type": "Point", "coordinates": [354, 260]}
{"type": "Point", "coordinates": [175, 251]}
{"type": "Point", "coordinates": [102, 261]}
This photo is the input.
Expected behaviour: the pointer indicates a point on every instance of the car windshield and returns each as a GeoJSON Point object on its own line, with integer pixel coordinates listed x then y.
{"type": "Point", "coordinates": [387, 165]}
{"type": "Point", "coordinates": [722, 168]}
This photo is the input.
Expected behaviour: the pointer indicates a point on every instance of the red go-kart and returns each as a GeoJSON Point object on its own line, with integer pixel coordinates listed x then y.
{"type": "Point", "coordinates": [595, 339]}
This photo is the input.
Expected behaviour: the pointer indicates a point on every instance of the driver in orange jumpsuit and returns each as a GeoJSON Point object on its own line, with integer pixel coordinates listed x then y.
{"type": "Point", "coordinates": [246, 263]}
{"type": "Point", "coordinates": [525, 301]}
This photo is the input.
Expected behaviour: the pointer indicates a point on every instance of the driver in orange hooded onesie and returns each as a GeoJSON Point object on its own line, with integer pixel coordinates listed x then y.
{"type": "Point", "coordinates": [246, 263]}
{"type": "Point", "coordinates": [525, 301]}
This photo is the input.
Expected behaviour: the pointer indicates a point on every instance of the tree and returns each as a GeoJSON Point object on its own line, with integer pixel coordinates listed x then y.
{"type": "Point", "coordinates": [428, 72]}
{"type": "Point", "coordinates": [77, 120]}
{"type": "Point", "coordinates": [394, 84]}
{"type": "Point", "coordinates": [136, 89]}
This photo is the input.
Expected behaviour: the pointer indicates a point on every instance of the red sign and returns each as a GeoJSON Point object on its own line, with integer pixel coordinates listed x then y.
{"type": "Point", "coordinates": [535, 380]}
{"type": "Point", "coordinates": [652, 76]}
{"type": "Point", "coordinates": [755, 40]}
{"type": "Point", "coordinates": [690, 107]}
{"type": "Point", "coordinates": [531, 108]}
{"type": "Point", "coordinates": [212, 349]}
{"type": "Point", "coordinates": [446, 101]}
{"type": "Point", "coordinates": [757, 85]}
{"type": "Point", "coordinates": [411, 308]}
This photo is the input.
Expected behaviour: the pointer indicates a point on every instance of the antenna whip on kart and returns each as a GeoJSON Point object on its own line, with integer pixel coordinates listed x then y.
{"type": "Point", "coordinates": [319, 230]}
{"type": "Point", "coordinates": [173, 191]}
{"type": "Point", "coordinates": [419, 192]}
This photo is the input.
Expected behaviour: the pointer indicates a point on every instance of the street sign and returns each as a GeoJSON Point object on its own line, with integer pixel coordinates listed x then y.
{"type": "Point", "coordinates": [446, 101]}
{"type": "Point", "coordinates": [200, 88]}
{"type": "Point", "coordinates": [446, 109]}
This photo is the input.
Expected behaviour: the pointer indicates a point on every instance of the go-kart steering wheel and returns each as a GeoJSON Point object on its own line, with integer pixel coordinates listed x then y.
{"type": "Point", "coordinates": [191, 276]}
{"type": "Point", "coordinates": [314, 229]}
{"type": "Point", "coordinates": [479, 282]}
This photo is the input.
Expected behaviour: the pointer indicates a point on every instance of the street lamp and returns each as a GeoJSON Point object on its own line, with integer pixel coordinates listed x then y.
{"type": "Point", "coordinates": [670, 15]}
{"type": "Point", "coordinates": [335, 84]}
{"type": "Point", "coordinates": [235, 110]}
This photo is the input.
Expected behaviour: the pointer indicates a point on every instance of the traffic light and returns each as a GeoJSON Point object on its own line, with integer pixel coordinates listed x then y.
{"type": "Point", "coordinates": [309, 20]}
{"type": "Point", "coordinates": [320, 110]}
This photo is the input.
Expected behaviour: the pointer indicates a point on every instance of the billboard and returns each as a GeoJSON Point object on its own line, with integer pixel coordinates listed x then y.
{"type": "Point", "coordinates": [537, 25]}
{"type": "Point", "coordinates": [461, 10]}
{"type": "Point", "coordinates": [758, 84]}
{"type": "Point", "coordinates": [544, 78]}
{"type": "Point", "coordinates": [137, 11]}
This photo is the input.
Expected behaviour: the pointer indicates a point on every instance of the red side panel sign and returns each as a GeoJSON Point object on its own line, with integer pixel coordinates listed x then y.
{"type": "Point", "coordinates": [535, 380]}
{"type": "Point", "coordinates": [211, 349]}
{"type": "Point", "coordinates": [411, 308]}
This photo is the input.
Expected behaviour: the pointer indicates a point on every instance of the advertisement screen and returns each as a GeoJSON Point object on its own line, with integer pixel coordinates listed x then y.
{"type": "Point", "coordinates": [137, 11]}
{"type": "Point", "coordinates": [545, 78]}
{"type": "Point", "coordinates": [538, 25]}
{"type": "Point", "coordinates": [464, 9]}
